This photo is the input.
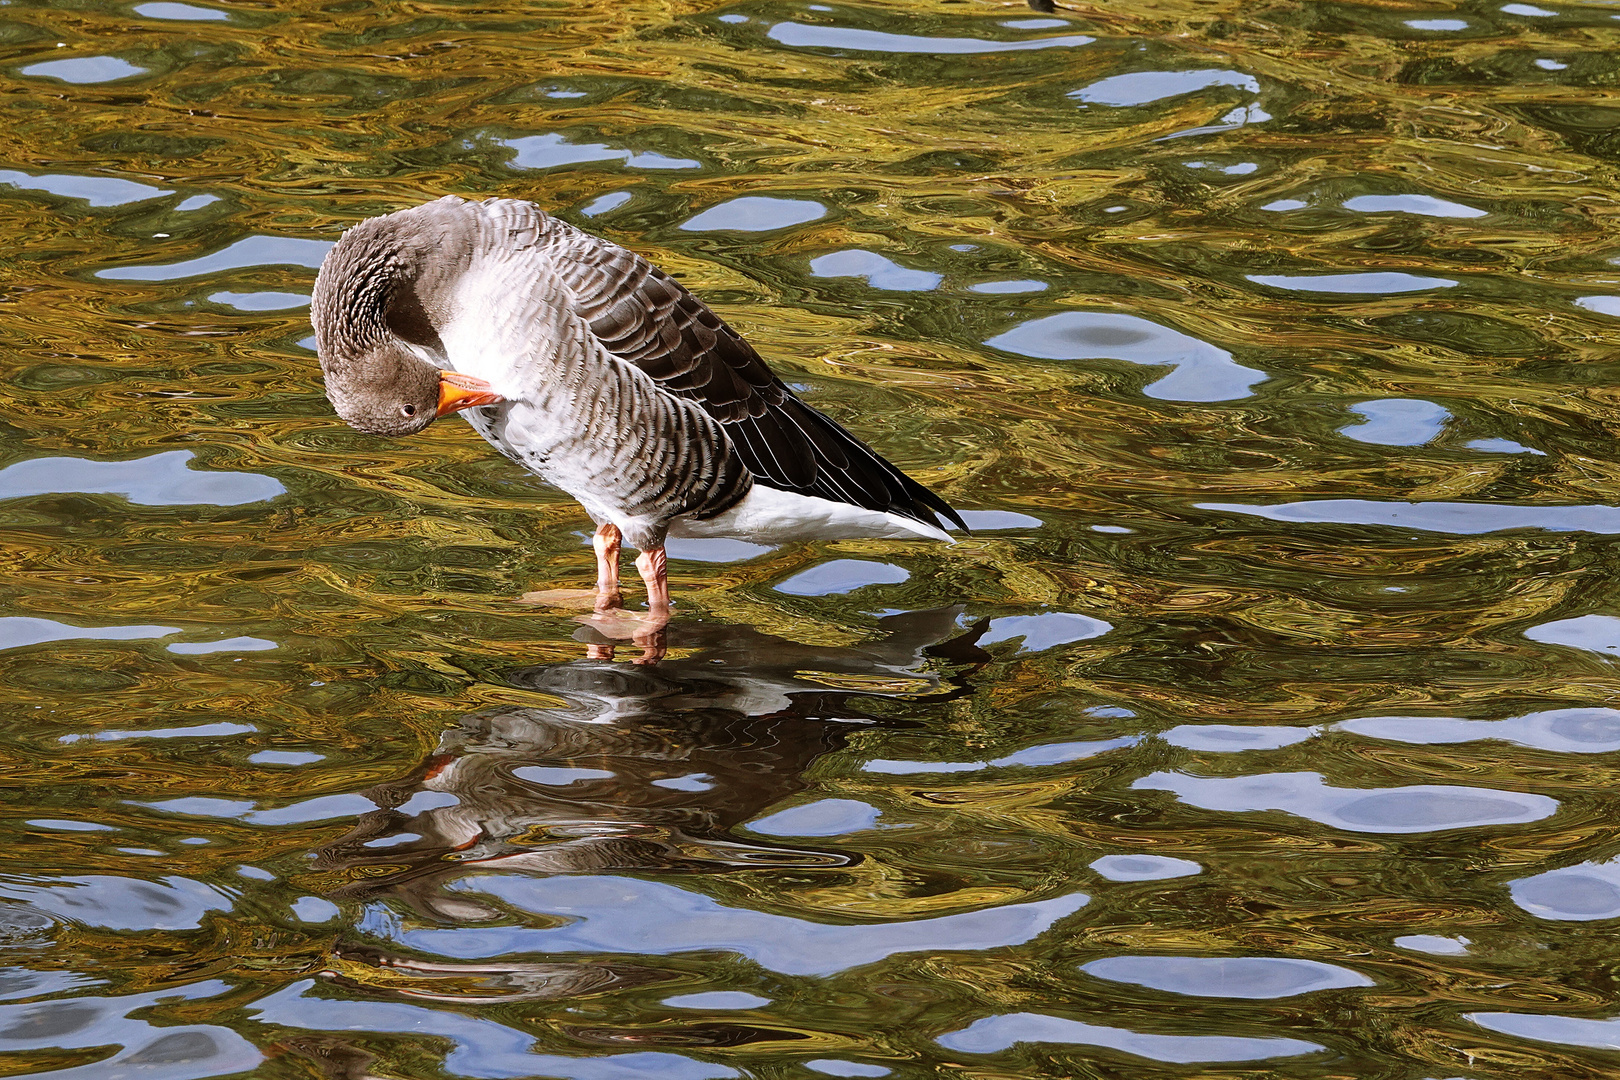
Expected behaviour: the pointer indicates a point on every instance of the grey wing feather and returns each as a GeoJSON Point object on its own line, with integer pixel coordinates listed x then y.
{"type": "Point", "coordinates": [642, 315]}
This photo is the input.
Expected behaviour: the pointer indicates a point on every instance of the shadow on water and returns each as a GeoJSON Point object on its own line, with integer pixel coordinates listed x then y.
{"type": "Point", "coordinates": [636, 769]}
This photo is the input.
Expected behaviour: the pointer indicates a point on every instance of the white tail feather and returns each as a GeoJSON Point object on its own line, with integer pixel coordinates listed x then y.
{"type": "Point", "coordinates": [770, 515]}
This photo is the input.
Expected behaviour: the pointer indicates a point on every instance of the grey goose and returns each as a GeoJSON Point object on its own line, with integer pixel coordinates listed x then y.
{"type": "Point", "coordinates": [595, 370]}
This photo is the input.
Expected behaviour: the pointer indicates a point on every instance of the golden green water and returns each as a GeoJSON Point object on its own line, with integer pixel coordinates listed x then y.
{"type": "Point", "coordinates": [1265, 726]}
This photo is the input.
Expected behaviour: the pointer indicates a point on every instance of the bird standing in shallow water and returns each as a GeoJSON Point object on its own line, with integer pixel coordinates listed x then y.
{"type": "Point", "coordinates": [596, 371]}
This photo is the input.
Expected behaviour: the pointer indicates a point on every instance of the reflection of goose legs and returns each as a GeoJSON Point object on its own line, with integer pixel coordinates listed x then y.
{"type": "Point", "coordinates": [645, 630]}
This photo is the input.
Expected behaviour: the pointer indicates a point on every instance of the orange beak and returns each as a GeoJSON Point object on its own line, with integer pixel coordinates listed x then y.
{"type": "Point", "coordinates": [458, 391]}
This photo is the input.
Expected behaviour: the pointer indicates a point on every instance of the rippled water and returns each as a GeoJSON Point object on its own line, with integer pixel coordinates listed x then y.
{"type": "Point", "coordinates": [1265, 726]}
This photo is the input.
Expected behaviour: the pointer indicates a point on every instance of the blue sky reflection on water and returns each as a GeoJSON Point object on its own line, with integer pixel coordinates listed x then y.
{"type": "Point", "coordinates": [621, 914]}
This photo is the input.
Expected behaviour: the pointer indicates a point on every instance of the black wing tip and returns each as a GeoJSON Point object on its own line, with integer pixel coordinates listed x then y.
{"type": "Point", "coordinates": [905, 496]}
{"type": "Point", "coordinates": [954, 518]}
{"type": "Point", "coordinates": [926, 504]}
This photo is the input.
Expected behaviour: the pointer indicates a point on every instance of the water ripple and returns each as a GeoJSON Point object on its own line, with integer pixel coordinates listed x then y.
{"type": "Point", "coordinates": [1584, 892]}
{"type": "Point", "coordinates": [1457, 518]}
{"type": "Point", "coordinates": [1144, 867]}
{"type": "Point", "coordinates": [1146, 87]}
{"type": "Point", "coordinates": [478, 1047]}
{"type": "Point", "coordinates": [1255, 977]}
{"type": "Point", "coordinates": [122, 903]}
{"type": "Point", "coordinates": [615, 915]}
{"type": "Point", "coordinates": [84, 69]}
{"type": "Point", "coordinates": [755, 213]}
{"type": "Point", "coordinates": [170, 1051]}
{"type": "Point", "coordinates": [994, 1034]}
{"type": "Point", "coordinates": [96, 191]}
{"type": "Point", "coordinates": [250, 251]}
{"type": "Point", "coordinates": [808, 36]}
{"type": "Point", "coordinates": [163, 479]}
{"type": "Point", "coordinates": [1201, 372]}
{"type": "Point", "coordinates": [552, 150]}
{"type": "Point", "coordinates": [1415, 809]}
{"type": "Point", "coordinates": [1570, 731]}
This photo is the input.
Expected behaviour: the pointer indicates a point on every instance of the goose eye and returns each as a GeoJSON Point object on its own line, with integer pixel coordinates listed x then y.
{"type": "Point", "coordinates": [408, 410]}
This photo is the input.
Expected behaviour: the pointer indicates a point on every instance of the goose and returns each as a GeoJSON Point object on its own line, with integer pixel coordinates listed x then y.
{"type": "Point", "coordinates": [602, 375]}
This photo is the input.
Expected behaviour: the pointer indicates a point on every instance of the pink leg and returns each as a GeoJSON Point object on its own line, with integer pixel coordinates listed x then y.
{"type": "Point", "coordinates": [606, 543]}
{"type": "Point", "coordinates": [650, 637]}
{"type": "Point", "coordinates": [653, 566]}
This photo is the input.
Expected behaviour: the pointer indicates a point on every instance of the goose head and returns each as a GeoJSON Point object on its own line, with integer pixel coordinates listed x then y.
{"type": "Point", "coordinates": [390, 390]}
{"type": "Point", "coordinates": [374, 311]}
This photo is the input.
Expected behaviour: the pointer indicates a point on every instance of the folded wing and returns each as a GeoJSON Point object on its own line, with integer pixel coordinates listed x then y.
{"type": "Point", "coordinates": [643, 316]}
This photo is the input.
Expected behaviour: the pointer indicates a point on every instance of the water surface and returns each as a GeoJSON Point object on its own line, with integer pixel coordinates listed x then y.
{"type": "Point", "coordinates": [1266, 725]}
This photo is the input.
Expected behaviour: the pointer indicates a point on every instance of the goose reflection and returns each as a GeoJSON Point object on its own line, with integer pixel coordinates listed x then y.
{"type": "Point", "coordinates": [634, 769]}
